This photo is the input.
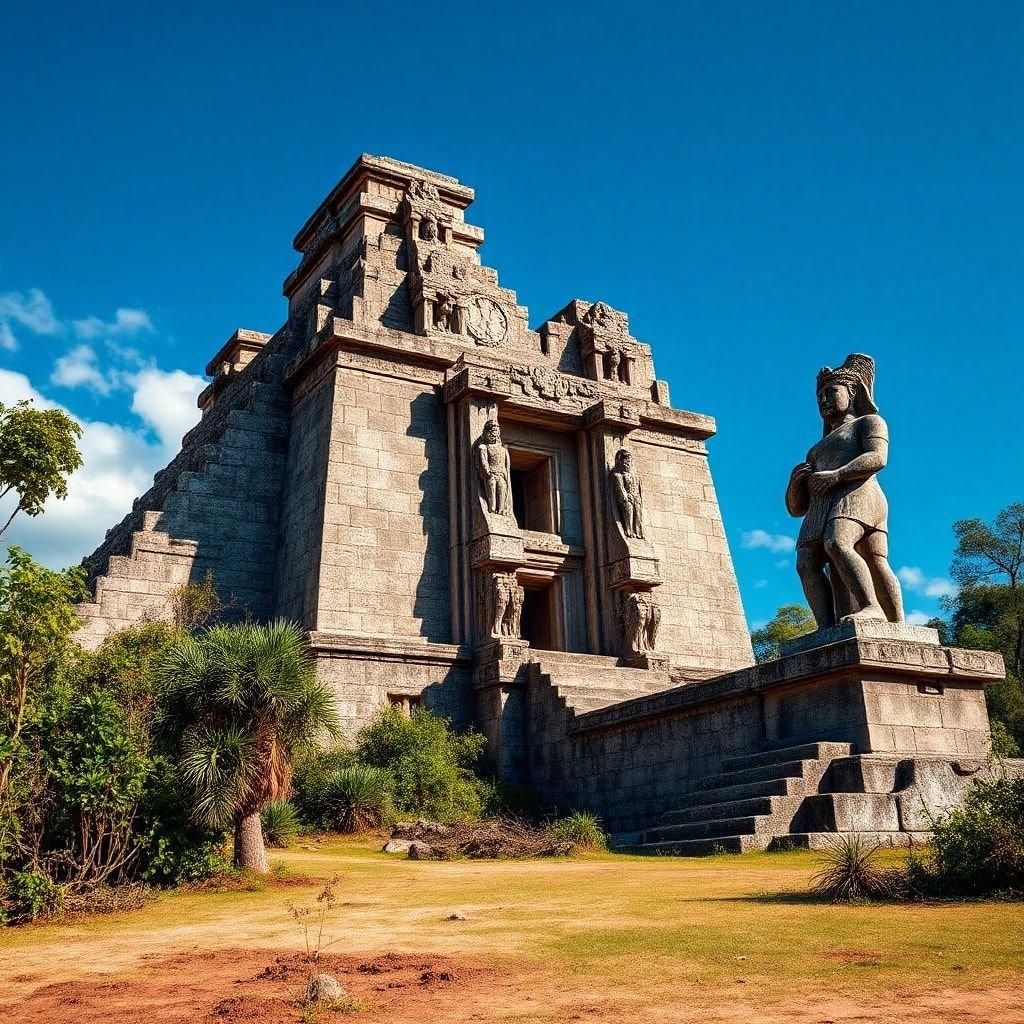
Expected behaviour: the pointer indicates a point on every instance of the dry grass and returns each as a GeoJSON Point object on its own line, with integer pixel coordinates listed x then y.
{"type": "Point", "coordinates": [657, 939]}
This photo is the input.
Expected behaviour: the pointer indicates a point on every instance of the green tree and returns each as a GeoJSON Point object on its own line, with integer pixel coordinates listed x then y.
{"type": "Point", "coordinates": [988, 610]}
{"type": "Point", "coordinates": [790, 621]}
{"type": "Point", "coordinates": [38, 452]}
{"type": "Point", "coordinates": [37, 618]}
{"type": "Point", "coordinates": [240, 701]}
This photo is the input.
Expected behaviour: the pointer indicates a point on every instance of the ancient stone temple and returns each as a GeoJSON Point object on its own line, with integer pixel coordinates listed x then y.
{"type": "Point", "coordinates": [515, 528]}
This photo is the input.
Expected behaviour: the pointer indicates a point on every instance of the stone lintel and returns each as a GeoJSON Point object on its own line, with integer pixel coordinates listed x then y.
{"type": "Point", "coordinates": [863, 629]}
{"type": "Point", "coordinates": [498, 662]}
{"type": "Point", "coordinates": [498, 543]}
{"type": "Point", "coordinates": [477, 381]}
{"type": "Point", "coordinates": [620, 416]}
{"type": "Point", "coordinates": [634, 571]}
{"type": "Point", "coordinates": [411, 650]}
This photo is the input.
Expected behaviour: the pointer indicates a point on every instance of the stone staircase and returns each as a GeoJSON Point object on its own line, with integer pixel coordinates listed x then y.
{"type": "Point", "coordinates": [586, 682]}
{"type": "Point", "coordinates": [214, 507]}
{"type": "Point", "coordinates": [751, 804]}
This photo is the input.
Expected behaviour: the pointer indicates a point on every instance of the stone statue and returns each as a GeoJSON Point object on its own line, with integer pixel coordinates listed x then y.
{"type": "Point", "coordinates": [503, 605]}
{"type": "Point", "coordinates": [494, 470]}
{"type": "Point", "coordinates": [445, 312]}
{"type": "Point", "coordinates": [613, 364]}
{"type": "Point", "coordinates": [428, 227]}
{"type": "Point", "coordinates": [845, 527]}
{"type": "Point", "coordinates": [629, 495]}
{"type": "Point", "coordinates": [641, 618]}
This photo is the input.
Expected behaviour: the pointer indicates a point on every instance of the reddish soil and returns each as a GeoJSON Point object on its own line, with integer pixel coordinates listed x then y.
{"type": "Point", "coordinates": [247, 985]}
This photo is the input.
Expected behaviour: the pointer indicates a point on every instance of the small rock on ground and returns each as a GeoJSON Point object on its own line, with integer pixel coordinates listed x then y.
{"type": "Point", "coordinates": [457, 916]}
{"type": "Point", "coordinates": [420, 851]}
{"type": "Point", "coordinates": [397, 846]}
{"type": "Point", "coordinates": [323, 988]}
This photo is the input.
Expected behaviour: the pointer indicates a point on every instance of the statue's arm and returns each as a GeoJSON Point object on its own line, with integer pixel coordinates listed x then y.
{"type": "Point", "coordinates": [797, 496]}
{"type": "Point", "coordinates": [482, 468]}
{"type": "Point", "coordinates": [875, 454]}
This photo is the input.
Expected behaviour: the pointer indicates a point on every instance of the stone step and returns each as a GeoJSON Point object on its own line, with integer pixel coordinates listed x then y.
{"type": "Point", "coordinates": [802, 752]}
{"type": "Point", "coordinates": [704, 847]}
{"type": "Point", "coordinates": [742, 791]}
{"type": "Point", "coordinates": [828, 840]}
{"type": "Point", "coordinates": [751, 806]}
{"type": "Point", "coordinates": [747, 825]}
{"type": "Point", "coordinates": [762, 773]}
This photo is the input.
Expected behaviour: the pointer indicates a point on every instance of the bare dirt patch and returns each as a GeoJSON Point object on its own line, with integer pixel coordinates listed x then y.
{"type": "Point", "coordinates": [251, 985]}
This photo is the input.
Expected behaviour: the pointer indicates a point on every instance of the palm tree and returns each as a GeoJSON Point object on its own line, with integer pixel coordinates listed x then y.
{"type": "Point", "coordinates": [238, 701]}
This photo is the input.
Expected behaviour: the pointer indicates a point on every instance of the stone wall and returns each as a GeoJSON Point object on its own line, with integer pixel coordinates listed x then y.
{"type": "Point", "coordinates": [385, 542]}
{"type": "Point", "coordinates": [703, 626]}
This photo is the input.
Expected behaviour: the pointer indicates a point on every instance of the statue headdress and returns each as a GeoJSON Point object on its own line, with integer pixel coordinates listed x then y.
{"type": "Point", "coordinates": [858, 374]}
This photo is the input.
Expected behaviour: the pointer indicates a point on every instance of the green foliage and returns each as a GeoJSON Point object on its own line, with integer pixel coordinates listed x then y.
{"type": "Point", "coordinates": [1003, 743]}
{"type": "Point", "coordinates": [37, 619]}
{"type": "Point", "coordinates": [988, 610]}
{"type": "Point", "coordinates": [313, 770]}
{"type": "Point", "coordinates": [197, 605]}
{"type": "Point", "coordinates": [280, 823]}
{"type": "Point", "coordinates": [978, 849]}
{"type": "Point", "coordinates": [26, 895]}
{"type": "Point", "coordinates": [358, 797]}
{"type": "Point", "coordinates": [38, 452]}
{"type": "Point", "coordinates": [851, 872]}
{"type": "Point", "coordinates": [580, 830]}
{"type": "Point", "coordinates": [790, 622]}
{"type": "Point", "coordinates": [430, 765]}
{"type": "Point", "coordinates": [239, 701]}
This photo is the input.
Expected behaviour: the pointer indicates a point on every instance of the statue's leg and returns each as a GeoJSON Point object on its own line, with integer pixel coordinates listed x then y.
{"type": "Point", "coordinates": [500, 495]}
{"type": "Point", "coordinates": [810, 566]}
{"type": "Point", "coordinates": [492, 495]}
{"type": "Point", "coordinates": [875, 549]}
{"type": "Point", "coordinates": [841, 539]}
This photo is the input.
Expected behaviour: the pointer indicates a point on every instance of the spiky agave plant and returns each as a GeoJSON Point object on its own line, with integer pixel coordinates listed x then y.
{"type": "Point", "coordinates": [358, 797]}
{"type": "Point", "coordinates": [239, 700]}
{"type": "Point", "coordinates": [851, 871]}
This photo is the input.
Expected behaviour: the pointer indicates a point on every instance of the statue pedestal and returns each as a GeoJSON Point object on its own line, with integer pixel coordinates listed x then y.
{"type": "Point", "coordinates": [860, 629]}
{"type": "Point", "coordinates": [650, 660]}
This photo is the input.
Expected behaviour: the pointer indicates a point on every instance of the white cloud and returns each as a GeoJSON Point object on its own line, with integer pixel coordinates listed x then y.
{"type": "Point", "coordinates": [919, 618]}
{"type": "Point", "coordinates": [118, 466]}
{"type": "Point", "coordinates": [166, 401]}
{"type": "Point", "coordinates": [927, 586]}
{"type": "Point", "coordinates": [33, 311]}
{"type": "Point", "coordinates": [126, 322]}
{"type": "Point", "coordinates": [78, 368]}
{"type": "Point", "coordinates": [772, 541]}
{"type": "Point", "coordinates": [760, 584]}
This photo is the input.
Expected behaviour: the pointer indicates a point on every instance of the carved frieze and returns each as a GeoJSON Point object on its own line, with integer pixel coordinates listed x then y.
{"type": "Point", "coordinates": [540, 382]}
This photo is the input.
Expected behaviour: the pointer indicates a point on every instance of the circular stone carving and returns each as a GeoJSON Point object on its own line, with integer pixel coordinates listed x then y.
{"type": "Point", "coordinates": [486, 321]}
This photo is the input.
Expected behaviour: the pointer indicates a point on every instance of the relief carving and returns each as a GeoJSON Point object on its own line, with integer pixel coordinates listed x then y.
{"type": "Point", "coordinates": [502, 605]}
{"type": "Point", "coordinates": [494, 470]}
{"type": "Point", "coordinates": [628, 494]}
{"type": "Point", "coordinates": [540, 382]}
{"type": "Point", "coordinates": [641, 618]}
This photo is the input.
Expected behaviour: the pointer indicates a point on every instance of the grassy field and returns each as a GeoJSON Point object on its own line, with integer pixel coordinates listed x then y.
{"type": "Point", "coordinates": [601, 937]}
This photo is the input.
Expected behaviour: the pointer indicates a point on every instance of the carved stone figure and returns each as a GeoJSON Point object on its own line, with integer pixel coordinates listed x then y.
{"type": "Point", "coordinates": [494, 470]}
{"type": "Point", "coordinates": [641, 618]}
{"type": "Point", "coordinates": [613, 364]}
{"type": "Point", "coordinates": [629, 495]}
{"type": "Point", "coordinates": [842, 549]}
{"type": "Point", "coordinates": [502, 601]}
{"type": "Point", "coordinates": [428, 227]}
{"type": "Point", "coordinates": [445, 312]}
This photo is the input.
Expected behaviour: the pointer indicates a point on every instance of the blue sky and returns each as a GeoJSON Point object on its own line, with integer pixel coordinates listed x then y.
{"type": "Point", "coordinates": [763, 187]}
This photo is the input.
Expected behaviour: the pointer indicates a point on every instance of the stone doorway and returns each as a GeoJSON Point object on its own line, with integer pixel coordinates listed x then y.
{"type": "Point", "coordinates": [542, 615]}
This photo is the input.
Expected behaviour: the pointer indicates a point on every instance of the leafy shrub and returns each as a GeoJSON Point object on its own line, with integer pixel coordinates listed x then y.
{"type": "Point", "coordinates": [358, 797]}
{"type": "Point", "coordinates": [580, 830]}
{"type": "Point", "coordinates": [430, 765]}
{"type": "Point", "coordinates": [280, 823]}
{"type": "Point", "coordinates": [25, 895]}
{"type": "Point", "coordinates": [312, 774]}
{"type": "Point", "coordinates": [1003, 743]}
{"type": "Point", "coordinates": [978, 849]}
{"type": "Point", "coordinates": [851, 872]}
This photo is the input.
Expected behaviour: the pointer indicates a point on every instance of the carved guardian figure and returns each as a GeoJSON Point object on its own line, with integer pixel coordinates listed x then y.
{"type": "Point", "coordinates": [629, 495]}
{"type": "Point", "coordinates": [641, 618]}
{"type": "Point", "coordinates": [494, 470]}
{"type": "Point", "coordinates": [502, 601]}
{"type": "Point", "coordinates": [843, 546]}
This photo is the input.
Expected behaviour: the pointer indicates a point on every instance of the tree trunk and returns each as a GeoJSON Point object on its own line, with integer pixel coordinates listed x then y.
{"type": "Point", "coordinates": [250, 851]}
